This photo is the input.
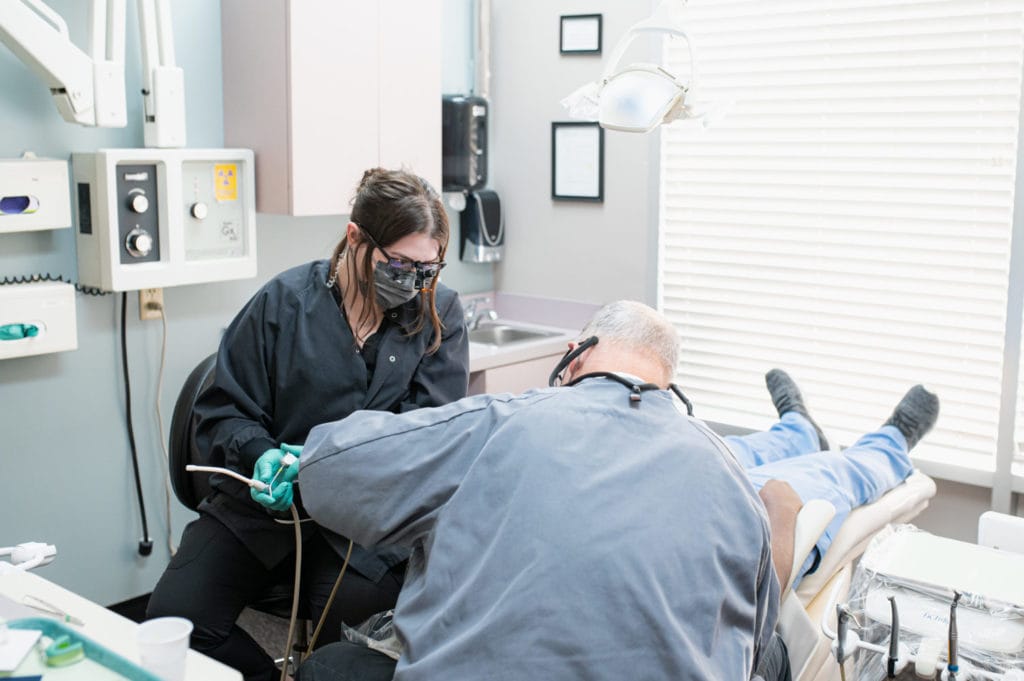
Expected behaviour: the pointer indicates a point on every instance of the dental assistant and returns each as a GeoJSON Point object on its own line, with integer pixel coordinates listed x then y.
{"type": "Point", "coordinates": [371, 328]}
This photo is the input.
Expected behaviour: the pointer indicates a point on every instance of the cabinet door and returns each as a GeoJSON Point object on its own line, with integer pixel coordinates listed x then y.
{"type": "Point", "coordinates": [410, 86]}
{"type": "Point", "coordinates": [322, 90]}
{"type": "Point", "coordinates": [335, 98]}
{"type": "Point", "coordinates": [515, 378]}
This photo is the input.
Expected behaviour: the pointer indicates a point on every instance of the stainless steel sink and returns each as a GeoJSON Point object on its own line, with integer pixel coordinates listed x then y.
{"type": "Point", "coordinates": [503, 334]}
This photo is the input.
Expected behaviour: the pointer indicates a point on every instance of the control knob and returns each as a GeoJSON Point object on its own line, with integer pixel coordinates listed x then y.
{"type": "Point", "coordinates": [138, 203]}
{"type": "Point", "coordinates": [139, 243]}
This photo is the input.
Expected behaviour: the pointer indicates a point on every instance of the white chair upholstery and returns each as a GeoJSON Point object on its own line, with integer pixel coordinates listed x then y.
{"type": "Point", "coordinates": [803, 608]}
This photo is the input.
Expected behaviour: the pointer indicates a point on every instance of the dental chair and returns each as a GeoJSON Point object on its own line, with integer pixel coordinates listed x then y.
{"type": "Point", "coordinates": [802, 608]}
{"type": "Point", "coordinates": [192, 488]}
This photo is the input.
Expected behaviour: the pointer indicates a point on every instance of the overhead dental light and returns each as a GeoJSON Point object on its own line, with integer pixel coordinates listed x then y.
{"type": "Point", "coordinates": [639, 97]}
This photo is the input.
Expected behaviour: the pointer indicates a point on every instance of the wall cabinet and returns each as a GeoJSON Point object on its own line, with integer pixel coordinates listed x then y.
{"type": "Point", "coordinates": [321, 90]}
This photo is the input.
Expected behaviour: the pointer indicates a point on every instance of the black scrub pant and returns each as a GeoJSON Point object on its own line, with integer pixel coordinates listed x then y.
{"type": "Point", "coordinates": [774, 665]}
{"type": "Point", "coordinates": [213, 576]}
{"type": "Point", "coordinates": [347, 661]}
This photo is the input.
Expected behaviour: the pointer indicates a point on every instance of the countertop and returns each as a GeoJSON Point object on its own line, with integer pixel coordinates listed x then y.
{"type": "Point", "coordinates": [103, 626]}
{"type": "Point", "coordinates": [562, 317]}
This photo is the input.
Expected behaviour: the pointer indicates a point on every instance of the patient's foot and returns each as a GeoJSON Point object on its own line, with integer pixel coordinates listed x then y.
{"type": "Point", "coordinates": [786, 397]}
{"type": "Point", "coordinates": [915, 414]}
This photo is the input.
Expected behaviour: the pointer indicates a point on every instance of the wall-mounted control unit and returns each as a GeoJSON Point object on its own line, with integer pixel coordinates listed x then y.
{"type": "Point", "coordinates": [33, 194]}
{"type": "Point", "coordinates": [153, 218]}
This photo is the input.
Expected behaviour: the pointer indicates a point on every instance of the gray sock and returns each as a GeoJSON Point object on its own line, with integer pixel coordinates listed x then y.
{"type": "Point", "coordinates": [786, 397]}
{"type": "Point", "coordinates": [915, 414]}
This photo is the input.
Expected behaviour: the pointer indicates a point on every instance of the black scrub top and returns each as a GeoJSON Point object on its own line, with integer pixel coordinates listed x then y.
{"type": "Point", "coordinates": [289, 362]}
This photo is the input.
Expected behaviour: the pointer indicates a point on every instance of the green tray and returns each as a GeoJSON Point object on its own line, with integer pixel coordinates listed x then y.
{"type": "Point", "coordinates": [99, 663]}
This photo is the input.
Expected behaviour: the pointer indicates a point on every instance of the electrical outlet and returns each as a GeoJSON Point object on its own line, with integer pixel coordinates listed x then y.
{"type": "Point", "coordinates": [151, 303]}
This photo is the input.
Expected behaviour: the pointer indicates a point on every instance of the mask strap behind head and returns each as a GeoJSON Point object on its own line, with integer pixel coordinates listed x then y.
{"type": "Point", "coordinates": [555, 379]}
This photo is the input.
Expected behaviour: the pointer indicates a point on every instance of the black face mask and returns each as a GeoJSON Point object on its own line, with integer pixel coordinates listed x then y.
{"type": "Point", "coordinates": [391, 292]}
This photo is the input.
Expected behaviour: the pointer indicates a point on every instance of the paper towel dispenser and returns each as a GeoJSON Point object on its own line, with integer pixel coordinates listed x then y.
{"type": "Point", "coordinates": [463, 142]}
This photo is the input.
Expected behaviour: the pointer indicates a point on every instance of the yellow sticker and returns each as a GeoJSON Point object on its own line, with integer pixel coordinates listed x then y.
{"type": "Point", "coordinates": [225, 181]}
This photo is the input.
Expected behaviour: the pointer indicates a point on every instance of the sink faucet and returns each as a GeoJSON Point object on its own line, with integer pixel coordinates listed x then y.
{"type": "Point", "coordinates": [477, 310]}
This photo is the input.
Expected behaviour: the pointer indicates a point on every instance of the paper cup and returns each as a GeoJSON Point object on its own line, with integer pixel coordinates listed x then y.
{"type": "Point", "coordinates": [163, 643]}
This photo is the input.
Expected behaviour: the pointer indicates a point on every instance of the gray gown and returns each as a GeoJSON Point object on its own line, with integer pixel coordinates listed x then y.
{"type": "Point", "coordinates": [567, 533]}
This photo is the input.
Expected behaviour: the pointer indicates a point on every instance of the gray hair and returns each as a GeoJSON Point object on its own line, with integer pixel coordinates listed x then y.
{"type": "Point", "coordinates": [638, 328]}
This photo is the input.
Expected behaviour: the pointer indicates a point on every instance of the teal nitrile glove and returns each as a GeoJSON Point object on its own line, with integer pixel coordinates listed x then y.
{"type": "Point", "coordinates": [294, 450]}
{"type": "Point", "coordinates": [271, 471]}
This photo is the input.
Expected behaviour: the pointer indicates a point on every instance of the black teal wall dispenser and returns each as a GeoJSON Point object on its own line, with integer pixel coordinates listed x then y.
{"type": "Point", "coordinates": [464, 169]}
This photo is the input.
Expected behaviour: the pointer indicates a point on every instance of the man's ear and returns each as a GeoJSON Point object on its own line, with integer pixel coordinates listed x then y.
{"type": "Point", "coordinates": [575, 367]}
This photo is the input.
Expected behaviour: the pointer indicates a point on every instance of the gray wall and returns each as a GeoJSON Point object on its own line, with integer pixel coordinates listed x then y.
{"type": "Point", "coordinates": [955, 509]}
{"type": "Point", "coordinates": [589, 252]}
{"type": "Point", "coordinates": [64, 447]}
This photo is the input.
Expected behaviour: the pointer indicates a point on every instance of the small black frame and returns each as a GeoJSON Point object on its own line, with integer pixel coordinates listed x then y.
{"type": "Point", "coordinates": [577, 164]}
{"type": "Point", "coordinates": [571, 43]}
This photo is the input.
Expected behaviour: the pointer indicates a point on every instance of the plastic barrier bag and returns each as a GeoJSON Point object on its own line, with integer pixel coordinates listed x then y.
{"type": "Point", "coordinates": [921, 572]}
{"type": "Point", "coordinates": [377, 633]}
{"type": "Point", "coordinates": [583, 103]}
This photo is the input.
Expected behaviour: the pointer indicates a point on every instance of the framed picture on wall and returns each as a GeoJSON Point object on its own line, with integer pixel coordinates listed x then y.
{"type": "Point", "coordinates": [580, 34]}
{"type": "Point", "coordinates": [577, 161]}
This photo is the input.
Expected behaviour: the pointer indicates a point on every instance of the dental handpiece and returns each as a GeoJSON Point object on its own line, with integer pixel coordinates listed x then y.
{"type": "Point", "coordinates": [952, 666]}
{"type": "Point", "coordinates": [251, 482]}
{"type": "Point", "coordinates": [842, 628]}
{"type": "Point", "coordinates": [894, 639]}
{"type": "Point", "coordinates": [286, 461]}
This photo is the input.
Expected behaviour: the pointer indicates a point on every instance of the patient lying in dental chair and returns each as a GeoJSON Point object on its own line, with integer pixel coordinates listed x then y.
{"type": "Point", "coordinates": [795, 451]}
{"type": "Point", "coordinates": [853, 477]}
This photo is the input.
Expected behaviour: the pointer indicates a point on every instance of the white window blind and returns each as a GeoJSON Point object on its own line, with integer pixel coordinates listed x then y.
{"type": "Point", "coordinates": [849, 219]}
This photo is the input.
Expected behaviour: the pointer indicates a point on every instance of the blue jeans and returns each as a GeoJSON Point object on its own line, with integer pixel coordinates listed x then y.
{"type": "Point", "coordinates": [858, 475]}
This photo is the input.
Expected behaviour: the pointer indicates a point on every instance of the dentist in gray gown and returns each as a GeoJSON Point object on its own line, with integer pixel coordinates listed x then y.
{"type": "Point", "coordinates": [593, 531]}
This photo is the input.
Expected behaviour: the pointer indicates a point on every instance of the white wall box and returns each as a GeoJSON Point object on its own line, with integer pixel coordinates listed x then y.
{"type": "Point", "coordinates": [321, 90]}
{"type": "Point", "coordinates": [152, 218]}
{"type": "Point", "coordinates": [48, 308]}
{"type": "Point", "coordinates": [34, 194]}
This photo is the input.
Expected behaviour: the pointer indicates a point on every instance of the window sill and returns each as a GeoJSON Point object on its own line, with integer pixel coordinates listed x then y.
{"type": "Point", "coordinates": [979, 474]}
